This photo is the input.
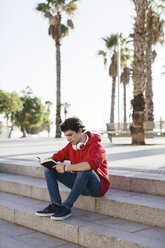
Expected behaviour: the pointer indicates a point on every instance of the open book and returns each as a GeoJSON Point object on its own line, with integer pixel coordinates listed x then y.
{"type": "Point", "coordinates": [49, 162]}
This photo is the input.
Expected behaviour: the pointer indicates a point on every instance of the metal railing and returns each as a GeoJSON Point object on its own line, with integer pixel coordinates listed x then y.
{"type": "Point", "coordinates": [157, 126]}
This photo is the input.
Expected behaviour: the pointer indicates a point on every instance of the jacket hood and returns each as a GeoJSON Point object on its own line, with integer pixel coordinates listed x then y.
{"type": "Point", "coordinates": [93, 137]}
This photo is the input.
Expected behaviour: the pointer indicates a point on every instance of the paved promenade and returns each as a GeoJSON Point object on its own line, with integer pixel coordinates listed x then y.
{"type": "Point", "coordinates": [146, 161]}
{"type": "Point", "coordinates": [121, 154]}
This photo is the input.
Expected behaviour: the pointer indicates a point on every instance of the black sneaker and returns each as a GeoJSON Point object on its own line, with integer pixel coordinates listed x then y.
{"type": "Point", "coordinates": [61, 214]}
{"type": "Point", "coordinates": [48, 211]}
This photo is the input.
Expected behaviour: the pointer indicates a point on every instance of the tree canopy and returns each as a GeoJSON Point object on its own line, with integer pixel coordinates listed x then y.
{"type": "Point", "coordinates": [26, 112]}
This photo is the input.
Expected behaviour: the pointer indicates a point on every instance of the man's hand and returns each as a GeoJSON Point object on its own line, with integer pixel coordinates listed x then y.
{"type": "Point", "coordinates": [59, 168]}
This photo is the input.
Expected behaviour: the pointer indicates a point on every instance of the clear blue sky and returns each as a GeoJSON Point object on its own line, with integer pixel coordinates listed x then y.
{"type": "Point", "coordinates": [27, 57]}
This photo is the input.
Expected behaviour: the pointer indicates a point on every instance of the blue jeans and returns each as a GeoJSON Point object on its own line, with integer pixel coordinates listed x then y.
{"type": "Point", "coordinates": [83, 183]}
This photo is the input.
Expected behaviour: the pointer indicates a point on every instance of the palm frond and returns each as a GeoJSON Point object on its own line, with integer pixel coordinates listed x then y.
{"type": "Point", "coordinates": [125, 76]}
{"type": "Point", "coordinates": [105, 61]}
{"type": "Point", "coordinates": [57, 2]}
{"type": "Point", "coordinates": [110, 41]}
{"type": "Point", "coordinates": [42, 7]}
{"type": "Point", "coordinates": [70, 8]}
{"type": "Point", "coordinates": [70, 24]}
{"type": "Point", "coordinates": [64, 30]}
{"type": "Point", "coordinates": [100, 52]}
{"type": "Point", "coordinates": [52, 21]}
{"type": "Point", "coordinates": [51, 30]}
{"type": "Point", "coordinates": [48, 14]}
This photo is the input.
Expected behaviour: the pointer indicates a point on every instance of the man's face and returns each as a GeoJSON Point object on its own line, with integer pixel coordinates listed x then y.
{"type": "Point", "coordinates": [73, 137]}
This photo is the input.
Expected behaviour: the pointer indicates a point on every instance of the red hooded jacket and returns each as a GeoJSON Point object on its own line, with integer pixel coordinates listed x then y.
{"type": "Point", "coordinates": [94, 154]}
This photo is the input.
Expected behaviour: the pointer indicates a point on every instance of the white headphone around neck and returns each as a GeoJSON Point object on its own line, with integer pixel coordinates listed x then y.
{"type": "Point", "coordinates": [80, 145]}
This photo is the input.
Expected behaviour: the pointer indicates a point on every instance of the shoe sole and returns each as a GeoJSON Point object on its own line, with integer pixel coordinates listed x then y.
{"type": "Point", "coordinates": [60, 218]}
{"type": "Point", "coordinates": [44, 215]}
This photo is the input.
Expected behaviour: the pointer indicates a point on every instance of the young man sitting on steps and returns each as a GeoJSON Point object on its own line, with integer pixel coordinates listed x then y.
{"type": "Point", "coordinates": [87, 173]}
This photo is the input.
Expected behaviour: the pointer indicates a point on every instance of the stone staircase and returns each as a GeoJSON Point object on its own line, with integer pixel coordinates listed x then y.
{"type": "Point", "coordinates": [130, 215]}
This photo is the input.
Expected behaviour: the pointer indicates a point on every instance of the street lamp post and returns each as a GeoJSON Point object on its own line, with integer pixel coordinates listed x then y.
{"type": "Point", "coordinates": [118, 73]}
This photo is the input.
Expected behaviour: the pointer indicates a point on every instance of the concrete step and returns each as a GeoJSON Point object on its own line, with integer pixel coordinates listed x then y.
{"type": "Point", "coordinates": [13, 235]}
{"type": "Point", "coordinates": [22, 168]}
{"type": "Point", "coordinates": [136, 181]}
{"type": "Point", "coordinates": [137, 207]}
{"type": "Point", "coordinates": [83, 228]}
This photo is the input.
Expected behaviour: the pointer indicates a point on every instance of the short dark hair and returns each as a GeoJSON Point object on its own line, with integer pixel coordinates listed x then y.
{"type": "Point", "coordinates": [73, 124]}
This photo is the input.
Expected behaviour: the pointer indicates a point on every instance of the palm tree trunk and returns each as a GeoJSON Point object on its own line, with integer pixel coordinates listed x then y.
{"type": "Point", "coordinates": [137, 128]}
{"type": "Point", "coordinates": [113, 102]}
{"type": "Point", "coordinates": [148, 89]}
{"type": "Point", "coordinates": [58, 90]}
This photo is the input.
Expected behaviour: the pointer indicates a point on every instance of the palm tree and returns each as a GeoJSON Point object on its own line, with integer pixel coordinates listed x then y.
{"type": "Point", "coordinates": [111, 44]}
{"type": "Point", "coordinates": [138, 103]}
{"type": "Point", "coordinates": [154, 34]}
{"type": "Point", "coordinates": [66, 106]}
{"type": "Point", "coordinates": [125, 77]}
{"type": "Point", "coordinates": [48, 104]}
{"type": "Point", "coordinates": [53, 10]}
{"type": "Point", "coordinates": [111, 51]}
{"type": "Point", "coordinates": [113, 74]}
